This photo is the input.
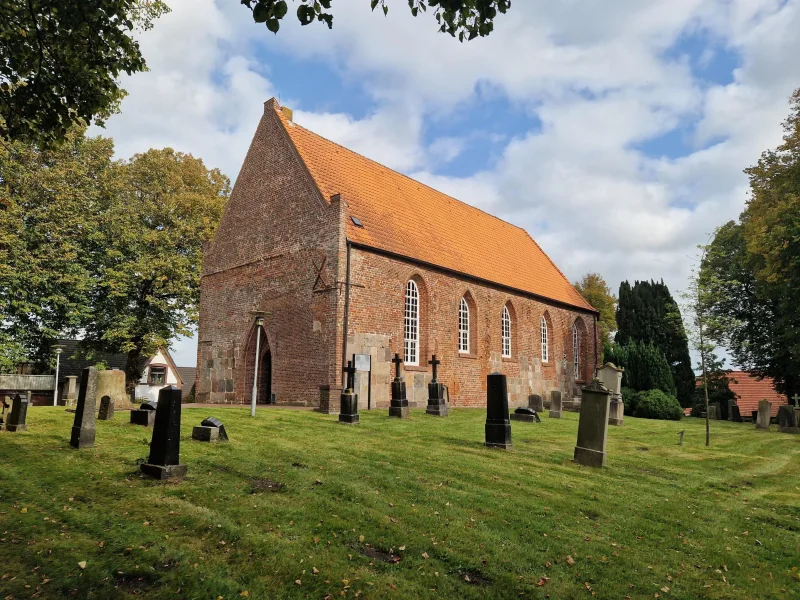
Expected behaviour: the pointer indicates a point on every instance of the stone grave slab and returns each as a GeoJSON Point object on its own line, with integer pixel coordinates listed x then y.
{"type": "Point", "coordinates": [83, 427]}
{"type": "Point", "coordinates": [590, 449]}
{"type": "Point", "coordinates": [164, 460]}
{"type": "Point", "coordinates": [498, 425]}
{"type": "Point", "coordinates": [555, 404]}
{"type": "Point", "coordinates": [19, 413]}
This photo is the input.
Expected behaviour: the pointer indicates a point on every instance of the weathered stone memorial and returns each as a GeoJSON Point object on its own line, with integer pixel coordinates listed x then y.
{"type": "Point", "coordinates": [735, 414]}
{"type": "Point", "coordinates": [764, 408]}
{"type": "Point", "coordinates": [210, 430]}
{"type": "Point", "coordinates": [348, 413]}
{"type": "Point", "coordinates": [611, 377]}
{"type": "Point", "coordinates": [144, 415]}
{"type": "Point", "coordinates": [498, 425]}
{"type": "Point", "coordinates": [70, 393]}
{"type": "Point", "coordinates": [18, 414]}
{"type": "Point", "coordinates": [713, 411]}
{"type": "Point", "coordinates": [164, 461]}
{"type": "Point", "coordinates": [106, 412]}
{"type": "Point", "coordinates": [536, 402]}
{"type": "Point", "coordinates": [787, 419]}
{"type": "Point", "coordinates": [398, 405]}
{"type": "Point", "coordinates": [6, 406]}
{"type": "Point", "coordinates": [437, 405]}
{"type": "Point", "coordinates": [525, 414]}
{"type": "Point", "coordinates": [593, 425]}
{"type": "Point", "coordinates": [83, 428]}
{"type": "Point", "coordinates": [555, 404]}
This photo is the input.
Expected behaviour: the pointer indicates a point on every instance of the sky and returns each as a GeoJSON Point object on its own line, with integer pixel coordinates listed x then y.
{"type": "Point", "coordinates": [615, 132]}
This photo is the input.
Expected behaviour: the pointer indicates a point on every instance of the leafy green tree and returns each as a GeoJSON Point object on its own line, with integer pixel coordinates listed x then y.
{"type": "Point", "coordinates": [597, 293]}
{"type": "Point", "coordinates": [644, 364]}
{"type": "Point", "coordinates": [754, 267]}
{"type": "Point", "coordinates": [60, 60]}
{"type": "Point", "coordinates": [647, 312]}
{"type": "Point", "coordinates": [50, 203]}
{"type": "Point", "coordinates": [655, 404]}
{"type": "Point", "coordinates": [464, 19]}
{"type": "Point", "coordinates": [149, 252]}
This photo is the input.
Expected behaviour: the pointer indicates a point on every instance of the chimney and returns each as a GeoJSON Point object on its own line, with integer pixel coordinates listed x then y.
{"type": "Point", "coordinates": [287, 112]}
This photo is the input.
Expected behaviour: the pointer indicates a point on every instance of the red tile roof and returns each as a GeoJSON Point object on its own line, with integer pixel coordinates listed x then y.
{"type": "Point", "coordinates": [749, 391]}
{"type": "Point", "coordinates": [407, 218]}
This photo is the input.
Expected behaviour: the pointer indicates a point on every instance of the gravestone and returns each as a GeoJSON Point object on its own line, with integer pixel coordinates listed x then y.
{"type": "Point", "coordinates": [348, 413]}
{"type": "Point", "coordinates": [437, 405]}
{"type": "Point", "coordinates": [555, 404]}
{"type": "Point", "coordinates": [616, 412]}
{"type": "Point", "coordinates": [736, 415]}
{"type": "Point", "coordinates": [787, 419]}
{"type": "Point", "coordinates": [164, 461]}
{"type": "Point", "coordinates": [526, 415]}
{"type": "Point", "coordinates": [731, 404]}
{"type": "Point", "coordinates": [611, 377]}
{"type": "Point", "coordinates": [70, 393]}
{"type": "Point", "coordinates": [762, 421]}
{"type": "Point", "coordinates": [210, 430]}
{"type": "Point", "coordinates": [398, 406]}
{"type": "Point", "coordinates": [18, 414]}
{"type": "Point", "coordinates": [498, 426]}
{"type": "Point", "coordinates": [6, 406]}
{"type": "Point", "coordinates": [144, 415]}
{"type": "Point", "coordinates": [106, 412]}
{"type": "Point", "coordinates": [593, 425]}
{"type": "Point", "coordinates": [713, 411]}
{"type": "Point", "coordinates": [83, 428]}
{"type": "Point", "coordinates": [536, 403]}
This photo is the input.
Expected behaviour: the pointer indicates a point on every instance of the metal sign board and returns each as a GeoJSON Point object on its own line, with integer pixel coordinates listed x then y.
{"type": "Point", "coordinates": [363, 362]}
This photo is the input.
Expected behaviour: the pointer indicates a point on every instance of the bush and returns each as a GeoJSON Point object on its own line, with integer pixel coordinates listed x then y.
{"type": "Point", "coordinates": [630, 398]}
{"type": "Point", "coordinates": [644, 364]}
{"type": "Point", "coordinates": [655, 404]}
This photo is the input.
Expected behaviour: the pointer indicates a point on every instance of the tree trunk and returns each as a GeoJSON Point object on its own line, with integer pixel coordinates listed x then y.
{"type": "Point", "coordinates": [705, 383]}
{"type": "Point", "coordinates": [133, 372]}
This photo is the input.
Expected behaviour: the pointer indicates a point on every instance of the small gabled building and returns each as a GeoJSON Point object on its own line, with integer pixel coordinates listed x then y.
{"type": "Point", "coordinates": [323, 254]}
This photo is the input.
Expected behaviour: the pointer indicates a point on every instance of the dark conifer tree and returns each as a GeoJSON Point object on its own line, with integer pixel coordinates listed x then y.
{"type": "Point", "coordinates": [647, 312]}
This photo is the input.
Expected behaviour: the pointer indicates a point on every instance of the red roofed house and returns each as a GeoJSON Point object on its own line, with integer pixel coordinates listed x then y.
{"type": "Point", "coordinates": [323, 253]}
{"type": "Point", "coordinates": [750, 391]}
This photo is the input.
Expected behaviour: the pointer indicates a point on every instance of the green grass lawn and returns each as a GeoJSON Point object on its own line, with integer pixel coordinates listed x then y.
{"type": "Point", "coordinates": [391, 509]}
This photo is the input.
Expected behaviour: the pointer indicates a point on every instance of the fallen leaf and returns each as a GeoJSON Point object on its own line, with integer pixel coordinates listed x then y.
{"type": "Point", "coordinates": [82, 564]}
{"type": "Point", "coordinates": [315, 570]}
{"type": "Point", "coordinates": [542, 581]}
{"type": "Point", "coordinates": [401, 548]}
{"type": "Point", "coordinates": [245, 594]}
{"type": "Point", "coordinates": [298, 582]}
{"type": "Point", "coordinates": [24, 510]}
{"type": "Point", "coordinates": [570, 561]}
{"type": "Point", "coordinates": [425, 555]}
{"type": "Point", "coordinates": [361, 539]}
{"type": "Point", "coordinates": [665, 589]}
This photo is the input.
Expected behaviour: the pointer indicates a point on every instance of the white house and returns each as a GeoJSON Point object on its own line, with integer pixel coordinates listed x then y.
{"type": "Point", "coordinates": [159, 371]}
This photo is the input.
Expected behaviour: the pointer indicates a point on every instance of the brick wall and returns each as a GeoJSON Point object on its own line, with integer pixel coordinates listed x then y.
{"type": "Point", "coordinates": [376, 328]}
{"type": "Point", "coordinates": [267, 256]}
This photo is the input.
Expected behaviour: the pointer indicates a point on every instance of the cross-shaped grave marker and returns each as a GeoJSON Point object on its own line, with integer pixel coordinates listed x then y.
{"type": "Point", "coordinates": [397, 362]}
{"type": "Point", "coordinates": [351, 373]}
{"type": "Point", "coordinates": [435, 364]}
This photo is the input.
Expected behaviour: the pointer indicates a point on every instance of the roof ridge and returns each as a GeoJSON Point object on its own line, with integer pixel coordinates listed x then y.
{"type": "Point", "coordinates": [417, 181]}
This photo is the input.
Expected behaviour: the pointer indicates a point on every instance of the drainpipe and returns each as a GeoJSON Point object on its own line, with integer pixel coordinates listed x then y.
{"type": "Point", "coordinates": [346, 310]}
{"type": "Point", "coordinates": [595, 345]}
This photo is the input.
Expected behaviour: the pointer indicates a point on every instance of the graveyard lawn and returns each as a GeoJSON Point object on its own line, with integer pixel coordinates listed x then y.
{"type": "Point", "coordinates": [297, 505]}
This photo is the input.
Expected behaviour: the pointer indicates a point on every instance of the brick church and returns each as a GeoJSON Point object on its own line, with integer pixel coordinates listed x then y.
{"type": "Point", "coordinates": [323, 254]}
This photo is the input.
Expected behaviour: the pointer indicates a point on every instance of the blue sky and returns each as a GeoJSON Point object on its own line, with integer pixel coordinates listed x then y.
{"type": "Point", "coordinates": [615, 132]}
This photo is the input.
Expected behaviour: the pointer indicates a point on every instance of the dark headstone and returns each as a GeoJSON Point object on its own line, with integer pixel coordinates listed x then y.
{"type": "Point", "coordinates": [787, 419]}
{"type": "Point", "coordinates": [83, 428]}
{"type": "Point", "coordinates": [736, 416]}
{"type": "Point", "coordinates": [498, 426]}
{"type": "Point", "coordinates": [754, 415]}
{"type": "Point", "coordinates": [18, 414]}
{"type": "Point", "coordinates": [526, 415]}
{"type": "Point", "coordinates": [398, 407]}
{"type": "Point", "coordinates": [437, 405]}
{"type": "Point", "coordinates": [106, 412]}
{"type": "Point", "coordinates": [203, 433]}
{"type": "Point", "coordinates": [590, 449]}
{"type": "Point", "coordinates": [536, 403]}
{"type": "Point", "coordinates": [731, 406]}
{"type": "Point", "coordinates": [215, 422]}
{"type": "Point", "coordinates": [348, 413]}
{"type": "Point", "coordinates": [164, 461]}
{"type": "Point", "coordinates": [555, 404]}
{"type": "Point", "coordinates": [145, 415]}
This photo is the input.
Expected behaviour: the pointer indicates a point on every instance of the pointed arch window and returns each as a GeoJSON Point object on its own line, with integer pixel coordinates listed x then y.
{"type": "Point", "coordinates": [506, 332]}
{"type": "Point", "coordinates": [463, 326]}
{"type": "Point", "coordinates": [545, 354]}
{"type": "Point", "coordinates": [411, 326]}
{"type": "Point", "coordinates": [575, 351]}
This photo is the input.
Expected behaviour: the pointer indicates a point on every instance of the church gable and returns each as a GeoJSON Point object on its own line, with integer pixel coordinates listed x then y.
{"type": "Point", "coordinates": [398, 215]}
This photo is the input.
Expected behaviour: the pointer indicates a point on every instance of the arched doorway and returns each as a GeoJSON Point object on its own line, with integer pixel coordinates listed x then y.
{"type": "Point", "coordinates": [258, 338]}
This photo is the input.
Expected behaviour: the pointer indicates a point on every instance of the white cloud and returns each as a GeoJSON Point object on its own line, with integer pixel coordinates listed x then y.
{"type": "Point", "coordinates": [596, 74]}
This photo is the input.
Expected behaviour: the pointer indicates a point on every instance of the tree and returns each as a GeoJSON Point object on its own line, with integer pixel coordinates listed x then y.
{"type": "Point", "coordinates": [60, 60]}
{"type": "Point", "coordinates": [149, 254]}
{"type": "Point", "coordinates": [645, 366]}
{"type": "Point", "coordinates": [465, 19]}
{"type": "Point", "coordinates": [50, 204]}
{"type": "Point", "coordinates": [597, 293]}
{"type": "Point", "coordinates": [647, 312]}
{"type": "Point", "coordinates": [755, 265]}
